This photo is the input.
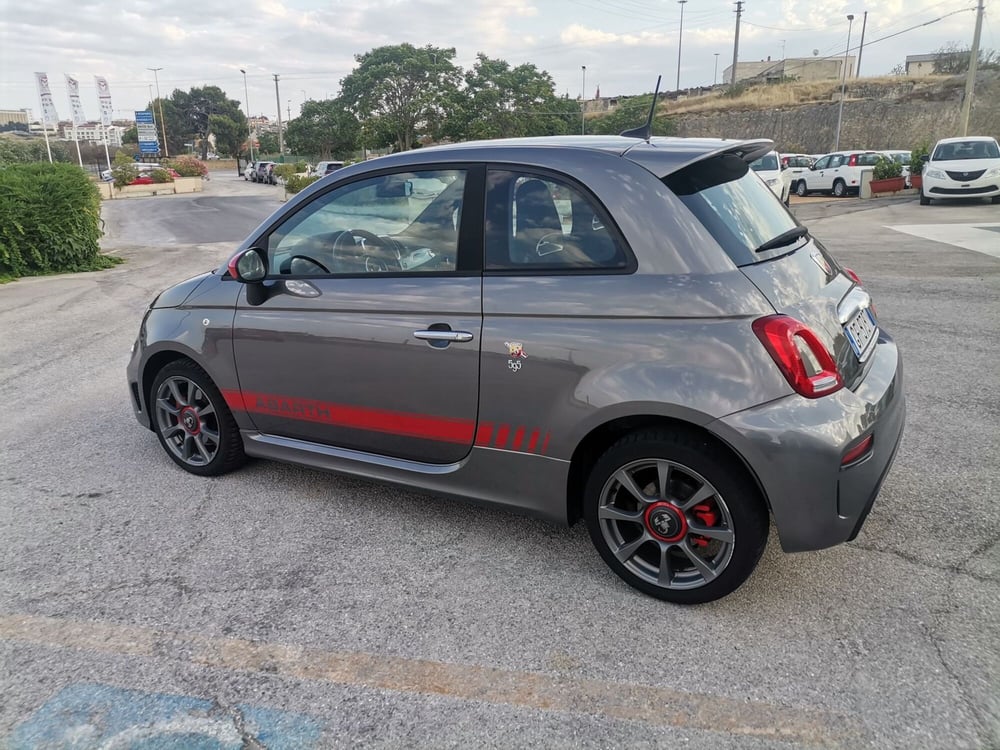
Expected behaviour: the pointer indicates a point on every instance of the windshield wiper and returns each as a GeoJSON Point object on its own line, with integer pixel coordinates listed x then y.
{"type": "Point", "coordinates": [785, 238]}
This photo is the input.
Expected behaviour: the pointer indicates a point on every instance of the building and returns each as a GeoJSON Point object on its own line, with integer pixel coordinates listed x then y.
{"type": "Point", "coordinates": [15, 117]}
{"type": "Point", "coordinates": [920, 65]}
{"type": "Point", "coordinates": [797, 68]}
{"type": "Point", "coordinates": [93, 132]}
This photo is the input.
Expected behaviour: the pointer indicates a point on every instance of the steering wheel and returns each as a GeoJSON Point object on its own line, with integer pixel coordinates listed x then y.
{"type": "Point", "coordinates": [374, 263]}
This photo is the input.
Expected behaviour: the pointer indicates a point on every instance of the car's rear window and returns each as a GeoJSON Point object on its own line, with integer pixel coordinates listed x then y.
{"type": "Point", "coordinates": [766, 163]}
{"type": "Point", "coordinates": [736, 208]}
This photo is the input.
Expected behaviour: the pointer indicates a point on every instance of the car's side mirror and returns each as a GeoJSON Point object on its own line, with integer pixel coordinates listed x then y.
{"type": "Point", "coordinates": [249, 266]}
{"type": "Point", "coordinates": [925, 157]}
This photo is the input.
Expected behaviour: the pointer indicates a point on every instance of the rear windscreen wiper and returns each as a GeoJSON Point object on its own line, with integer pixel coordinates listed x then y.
{"type": "Point", "coordinates": [784, 238]}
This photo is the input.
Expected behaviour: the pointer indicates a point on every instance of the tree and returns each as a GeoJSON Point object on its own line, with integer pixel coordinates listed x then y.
{"type": "Point", "coordinates": [131, 135]}
{"type": "Point", "coordinates": [954, 60]}
{"type": "Point", "coordinates": [268, 143]}
{"type": "Point", "coordinates": [499, 101]}
{"type": "Point", "coordinates": [229, 135]}
{"type": "Point", "coordinates": [631, 113]}
{"type": "Point", "coordinates": [325, 129]}
{"type": "Point", "coordinates": [398, 91]}
{"type": "Point", "coordinates": [188, 117]}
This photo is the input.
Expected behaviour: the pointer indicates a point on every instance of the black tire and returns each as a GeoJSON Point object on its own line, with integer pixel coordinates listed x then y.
{"type": "Point", "coordinates": [995, 199]}
{"type": "Point", "coordinates": [801, 190]}
{"type": "Point", "coordinates": [218, 435]}
{"type": "Point", "coordinates": [840, 188]}
{"type": "Point", "coordinates": [696, 465]}
{"type": "Point", "coordinates": [924, 200]}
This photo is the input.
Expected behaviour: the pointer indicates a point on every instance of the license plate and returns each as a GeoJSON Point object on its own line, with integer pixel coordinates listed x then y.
{"type": "Point", "coordinates": [861, 332]}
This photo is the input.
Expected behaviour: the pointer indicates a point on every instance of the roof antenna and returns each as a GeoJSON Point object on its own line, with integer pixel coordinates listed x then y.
{"type": "Point", "coordinates": [646, 130]}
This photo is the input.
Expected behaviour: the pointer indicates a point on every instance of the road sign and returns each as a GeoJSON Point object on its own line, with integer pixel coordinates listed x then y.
{"type": "Point", "coordinates": [146, 130]}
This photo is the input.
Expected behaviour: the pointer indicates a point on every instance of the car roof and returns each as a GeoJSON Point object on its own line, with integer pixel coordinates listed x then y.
{"type": "Point", "coordinates": [965, 139]}
{"type": "Point", "coordinates": [661, 155]}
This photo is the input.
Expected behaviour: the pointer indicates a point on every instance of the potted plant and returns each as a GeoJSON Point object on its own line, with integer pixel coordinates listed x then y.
{"type": "Point", "coordinates": [918, 157]}
{"type": "Point", "coordinates": [888, 176]}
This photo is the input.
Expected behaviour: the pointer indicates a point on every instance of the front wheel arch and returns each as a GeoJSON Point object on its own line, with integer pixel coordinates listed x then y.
{"type": "Point", "coordinates": [153, 366]}
{"type": "Point", "coordinates": [598, 440]}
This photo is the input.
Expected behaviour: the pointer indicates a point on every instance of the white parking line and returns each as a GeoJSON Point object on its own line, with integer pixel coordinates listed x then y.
{"type": "Point", "coordinates": [982, 237]}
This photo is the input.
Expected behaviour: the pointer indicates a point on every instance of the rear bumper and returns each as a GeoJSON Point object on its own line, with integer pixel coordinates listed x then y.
{"type": "Point", "coordinates": [795, 447]}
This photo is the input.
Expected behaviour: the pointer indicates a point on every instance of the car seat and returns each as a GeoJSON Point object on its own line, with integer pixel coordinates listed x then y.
{"type": "Point", "coordinates": [537, 216]}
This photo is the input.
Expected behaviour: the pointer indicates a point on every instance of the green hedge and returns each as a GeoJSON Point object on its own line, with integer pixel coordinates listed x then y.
{"type": "Point", "coordinates": [296, 182]}
{"type": "Point", "coordinates": [49, 220]}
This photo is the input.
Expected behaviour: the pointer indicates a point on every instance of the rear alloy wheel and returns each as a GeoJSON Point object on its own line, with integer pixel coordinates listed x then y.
{"type": "Point", "coordinates": [840, 188]}
{"type": "Point", "coordinates": [192, 421]}
{"type": "Point", "coordinates": [800, 189]}
{"type": "Point", "coordinates": [675, 516]}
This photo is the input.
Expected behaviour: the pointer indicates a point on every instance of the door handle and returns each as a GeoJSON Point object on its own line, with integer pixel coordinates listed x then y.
{"type": "Point", "coordinates": [459, 336]}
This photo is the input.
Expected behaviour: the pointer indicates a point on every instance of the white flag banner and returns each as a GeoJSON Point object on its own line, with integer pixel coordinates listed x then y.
{"type": "Point", "coordinates": [73, 87]}
{"type": "Point", "coordinates": [104, 96]}
{"type": "Point", "coordinates": [49, 116]}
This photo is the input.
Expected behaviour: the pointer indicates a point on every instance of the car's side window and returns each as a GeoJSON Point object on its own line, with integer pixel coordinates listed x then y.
{"type": "Point", "coordinates": [401, 222]}
{"type": "Point", "coordinates": [823, 163]}
{"type": "Point", "coordinates": [541, 223]}
{"type": "Point", "coordinates": [836, 161]}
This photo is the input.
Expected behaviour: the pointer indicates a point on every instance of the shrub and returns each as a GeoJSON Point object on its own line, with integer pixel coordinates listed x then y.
{"type": "Point", "coordinates": [161, 175]}
{"type": "Point", "coordinates": [886, 168]}
{"type": "Point", "coordinates": [28, 151]}
{"type": "Point", "coordinates": [123, 170]}
{"type": "Point", "coordinates": [49, 220]}
{"type": "Point", "coordinates": [187, 166]}
{"type": "Point", "coordinates": [916, 158]}
{"type": "Point", "coordinates": [286, 171]}
{"type": "Point", "coordinates": [296, 182]}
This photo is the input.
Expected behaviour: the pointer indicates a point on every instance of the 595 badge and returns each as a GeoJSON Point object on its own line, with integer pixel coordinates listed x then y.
{"type": "Point", "coordinates": [515, 350]}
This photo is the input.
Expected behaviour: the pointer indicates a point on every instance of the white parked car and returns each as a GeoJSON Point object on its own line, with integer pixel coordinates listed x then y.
{"type": "Point", "coordinates": [795, 165]}
{"type": "Point", "coordinates": [769, 169]}
{"type": "Point", "coordinates": [962, 168]}
{"type": "Point", "coordinates": [902, 158]}
{"type": "Point", "coordinates": [838, 173]}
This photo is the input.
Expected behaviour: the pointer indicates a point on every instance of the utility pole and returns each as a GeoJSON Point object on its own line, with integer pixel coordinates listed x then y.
{"type": "Point", "coordinates": [843, 81]}
{"type": "Point", "coordinates": [281, 135]}
{"type": "Point", "coordinates": [715, 78]}
{"type": "Point", "coordinates": [246, 99]}
{"type": "Point", "coordinates": [736, 43]}
{"type": "Point", "coordinates": [970, 79]}
{"type": "Point", "coordinates": [861, 49]}
{"type": "Point", "coordinates": [583, 103]}
{"type": "Point", "coordinates": [680, 40]}
{"type": "Point", "coordinates": [163, 123]}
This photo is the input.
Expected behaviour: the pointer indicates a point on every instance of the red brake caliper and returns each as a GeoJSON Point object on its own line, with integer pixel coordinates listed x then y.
{"type": "Point", "coordinates": [704, 513]}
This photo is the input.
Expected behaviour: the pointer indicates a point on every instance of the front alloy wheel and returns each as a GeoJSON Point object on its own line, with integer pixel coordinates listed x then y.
{"type": "Point", "coordinates": [673, 516]}
{"type": "Point", "coordinates": [192, 421]}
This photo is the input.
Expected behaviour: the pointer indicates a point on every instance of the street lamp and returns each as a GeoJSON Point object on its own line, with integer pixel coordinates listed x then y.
{"type": "Point", "coordinates": [583, 102]}
{"type": "Point", "coordinates": [163, 123]}
{"type": "Point", "coordinates": [843, 81]}
{"type": "Point", "coordinates": [715, 78]}
{"type": "Point", "coordinates": [680, 39]}
{"type": "Point", "coordinates": [246, 102]}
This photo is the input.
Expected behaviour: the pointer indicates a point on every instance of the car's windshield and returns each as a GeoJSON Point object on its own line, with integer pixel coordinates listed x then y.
{"type": "Point", "coordinates": [962, 150]}
{"type": "Point", "coordinates": [737, 209]}
{"type": "Point", "coordinates": [766, 163]}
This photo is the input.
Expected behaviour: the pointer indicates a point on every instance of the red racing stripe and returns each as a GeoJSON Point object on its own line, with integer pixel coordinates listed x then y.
{"type": "Point", "coordinates": [502, 436]}
{"type": "Point", "coordinates": [484, 434]}
{"type": "Point", "coordinates": [532, 442]}
{"type": "Point", "coordinates": [518, 437]}
{"type": "Point", "coordinates": [428, 427]}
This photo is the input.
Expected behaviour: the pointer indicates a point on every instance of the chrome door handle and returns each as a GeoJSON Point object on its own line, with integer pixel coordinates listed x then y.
{"type": "Point", "coordinates": [460, 336]}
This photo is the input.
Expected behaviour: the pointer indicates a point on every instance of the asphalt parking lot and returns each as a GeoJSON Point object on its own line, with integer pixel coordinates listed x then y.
{"type": "Point", "coordinates": [282, 607]}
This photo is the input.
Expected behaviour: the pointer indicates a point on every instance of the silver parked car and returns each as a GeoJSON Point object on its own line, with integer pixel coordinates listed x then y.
{"type": "Point", "coordinates": [631, 332]}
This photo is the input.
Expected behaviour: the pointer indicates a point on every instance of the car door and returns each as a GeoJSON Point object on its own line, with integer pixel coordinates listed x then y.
{"type": "Point", "coordinates": [814, 177]}
{"type": "Point", "coordinates": [368, 336]}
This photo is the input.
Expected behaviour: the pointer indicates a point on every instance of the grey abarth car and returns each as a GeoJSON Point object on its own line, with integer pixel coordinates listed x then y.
{"type": "Point", "coordinates": [632, 332]}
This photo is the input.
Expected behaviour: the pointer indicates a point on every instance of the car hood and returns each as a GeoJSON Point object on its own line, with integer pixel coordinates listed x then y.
{"type": "Point", "coordinates": [176, 295]}
{"type": "Point", "coordinates": [964, 165]}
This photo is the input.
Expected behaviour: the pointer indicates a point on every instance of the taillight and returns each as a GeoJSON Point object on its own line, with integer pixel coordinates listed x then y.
{"type": "Point", "coordinates": [803, 360]}
{"type": "Point", "coordinates": [854, 277]}
{"type": "Point", "coordinates": [853, 161]}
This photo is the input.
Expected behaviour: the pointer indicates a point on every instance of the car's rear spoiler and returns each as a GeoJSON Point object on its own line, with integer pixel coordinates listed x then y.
{"type": "Point", "coordinates": [664, 156]}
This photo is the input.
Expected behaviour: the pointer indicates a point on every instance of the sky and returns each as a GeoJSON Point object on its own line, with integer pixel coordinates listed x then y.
{"type": "Point", "coordinates": [311, 45]}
